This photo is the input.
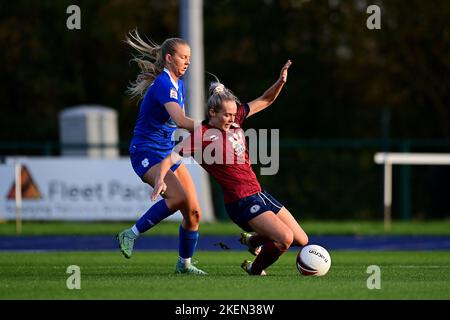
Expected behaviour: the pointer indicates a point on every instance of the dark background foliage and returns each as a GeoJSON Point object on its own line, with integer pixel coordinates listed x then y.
{"type": "Point", "coordinates": [347, 83]}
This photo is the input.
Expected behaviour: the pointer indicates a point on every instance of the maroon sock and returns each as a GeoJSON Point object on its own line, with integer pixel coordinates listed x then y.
{"type": "Point", "coordinates": [258, 240]}
{"type": "Point", "coordinates": [268, 255]}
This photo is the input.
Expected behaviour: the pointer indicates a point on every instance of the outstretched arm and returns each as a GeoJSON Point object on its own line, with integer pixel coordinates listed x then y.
{"type": "Point", "coordinates": [270, 94]}
{"type": "Point", "coordinates": [185, 148]}
{"type": "Point", "coordinates": [164, 166]}
{"type": "Point", "coordinates": [179, 117]}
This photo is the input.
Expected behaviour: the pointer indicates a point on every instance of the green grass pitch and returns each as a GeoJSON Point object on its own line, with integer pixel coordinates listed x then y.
{"type": "Point", "coordinates": [149, 275]}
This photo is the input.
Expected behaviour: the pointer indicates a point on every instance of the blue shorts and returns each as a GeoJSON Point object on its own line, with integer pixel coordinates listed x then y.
{"type": "Point", "coordinates": [245, 209]}
{"type": "Point", "coordinates": [142, 159]}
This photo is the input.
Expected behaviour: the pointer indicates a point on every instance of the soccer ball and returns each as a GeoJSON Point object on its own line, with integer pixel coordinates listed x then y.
{"type": "Point", "coordinates": [313, 260]}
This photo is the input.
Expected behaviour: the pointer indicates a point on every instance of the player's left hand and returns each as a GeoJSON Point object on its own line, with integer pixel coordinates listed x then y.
{"type": "Point", "coordinates": [284, 71]}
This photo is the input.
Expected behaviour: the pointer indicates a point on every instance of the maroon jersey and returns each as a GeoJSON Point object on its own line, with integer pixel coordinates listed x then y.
{"type": "Point", "coordinates": [224, 155]}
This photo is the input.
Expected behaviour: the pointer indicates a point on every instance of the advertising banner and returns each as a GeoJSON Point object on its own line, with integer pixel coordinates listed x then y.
{"type": "Point", "coordinates": [77, 189]}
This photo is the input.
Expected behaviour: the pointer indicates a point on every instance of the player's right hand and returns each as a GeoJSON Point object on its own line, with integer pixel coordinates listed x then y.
{"type": "Point", "coordinates": [159, 189]}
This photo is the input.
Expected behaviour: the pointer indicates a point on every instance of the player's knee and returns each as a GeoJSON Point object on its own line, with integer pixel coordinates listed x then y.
{"type": "Point", "coordinates": [304, 240]}
{"type": "Point", "coordinates": [194, 216]}
{"type": "Point", "coordinates": [285, 241]}
{"type": "Point", "coordinates": [300, 239]}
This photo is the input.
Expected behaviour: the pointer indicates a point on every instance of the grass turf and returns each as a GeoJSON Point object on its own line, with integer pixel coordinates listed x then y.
{"type": "Point", "coordinates": [440, 227]}
{"type": "Point", "coordinates": [149, 275]}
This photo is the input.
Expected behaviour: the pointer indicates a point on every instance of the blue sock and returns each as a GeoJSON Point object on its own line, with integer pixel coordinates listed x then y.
{"type": "Point", "coordinates": [188, 242]}
{"type": "Point", "coordinates": [153, 216]}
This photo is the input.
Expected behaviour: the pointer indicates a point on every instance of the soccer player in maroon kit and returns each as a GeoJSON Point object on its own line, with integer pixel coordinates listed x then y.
{"type": "Point", "coordinates": [219, 146]}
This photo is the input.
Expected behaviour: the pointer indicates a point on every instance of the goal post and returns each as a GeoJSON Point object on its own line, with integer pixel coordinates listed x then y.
{"type": "Point", "coordinates": [388, 159]}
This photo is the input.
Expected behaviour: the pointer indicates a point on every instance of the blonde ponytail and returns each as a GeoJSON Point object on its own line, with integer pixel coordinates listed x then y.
{"type": "Point", "coordinates": [217, 94]}
{"type": "Point", "coordinates": [151, 60]}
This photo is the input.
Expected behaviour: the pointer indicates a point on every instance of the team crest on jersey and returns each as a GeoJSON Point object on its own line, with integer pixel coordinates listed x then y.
{"type": "Point", "coordinates": [173, 93]}
{"type": "Point", "coordinates": [255, 208]}
{"type": "Point", "coordinates": [238, 142]}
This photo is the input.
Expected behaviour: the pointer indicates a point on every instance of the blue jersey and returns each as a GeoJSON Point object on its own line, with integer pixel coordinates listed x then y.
{"type": "Point", "coordinates": [154, 126]}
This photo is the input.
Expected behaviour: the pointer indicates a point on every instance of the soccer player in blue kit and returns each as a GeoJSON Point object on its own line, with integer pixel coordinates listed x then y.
{"type": "Point", "coordinates": [161, 112]}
